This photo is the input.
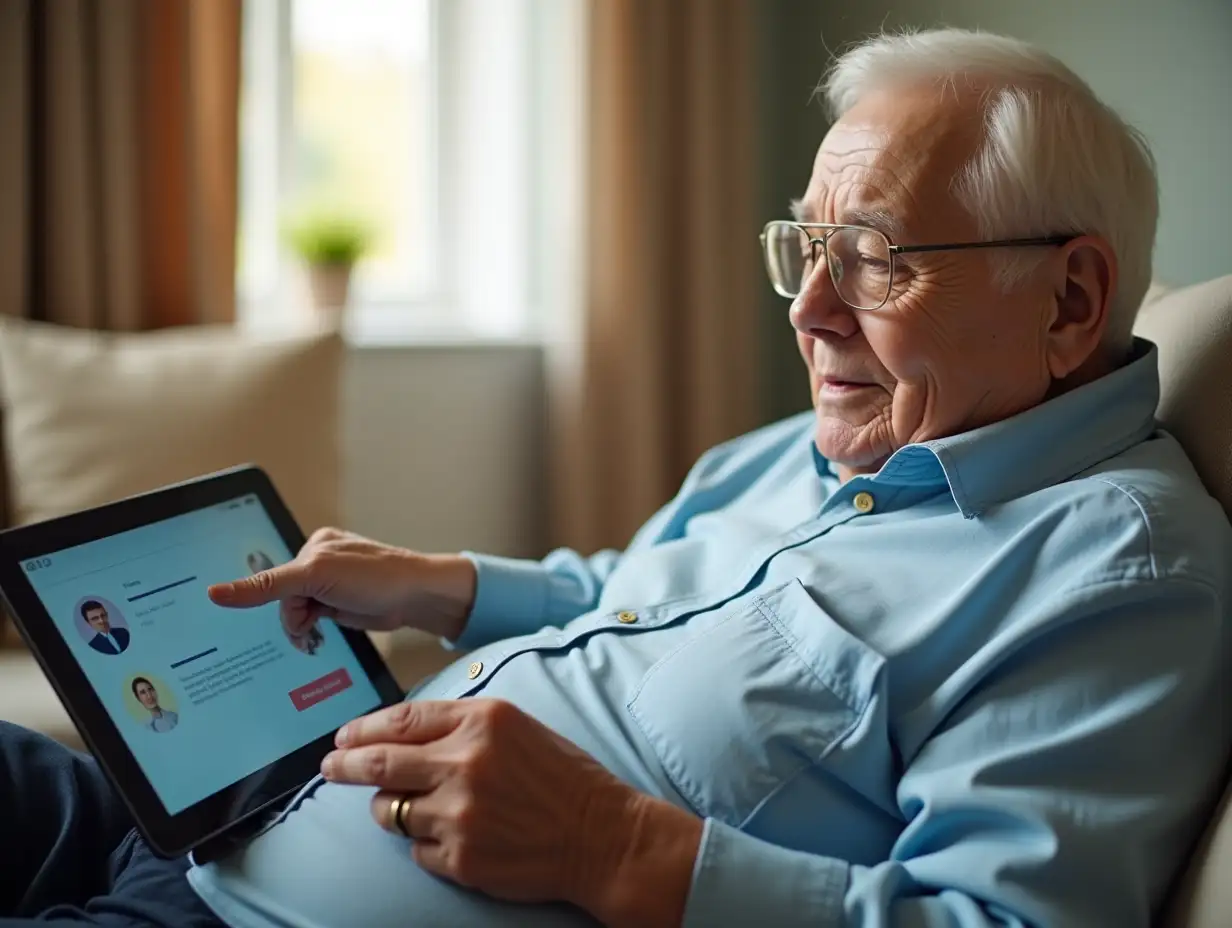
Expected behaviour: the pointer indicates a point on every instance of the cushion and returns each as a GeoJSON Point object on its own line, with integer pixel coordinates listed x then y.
{"type": "Point", "coordinates": [1193, 328]}
{"type": "Point", "coordinates": [91, 417]}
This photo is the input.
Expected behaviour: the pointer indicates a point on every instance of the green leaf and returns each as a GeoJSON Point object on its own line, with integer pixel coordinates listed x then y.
{"type": "Point", "coordinates": [328, 238]}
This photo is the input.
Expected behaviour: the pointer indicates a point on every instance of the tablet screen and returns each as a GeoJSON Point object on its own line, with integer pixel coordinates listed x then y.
{"type": "Point", "coordinates": [203, 696]}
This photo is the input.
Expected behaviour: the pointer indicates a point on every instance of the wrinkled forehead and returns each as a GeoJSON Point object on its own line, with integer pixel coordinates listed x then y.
{"type": "Point", "coordinates": [892, 159]}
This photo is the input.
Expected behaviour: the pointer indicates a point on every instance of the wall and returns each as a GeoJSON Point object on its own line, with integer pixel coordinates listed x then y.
{"type": "Point", "coordinates": [443, 446]}
{"type": "Point", "coordinates": [1165, 65]}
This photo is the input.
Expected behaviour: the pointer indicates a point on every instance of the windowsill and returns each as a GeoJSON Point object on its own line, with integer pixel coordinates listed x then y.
{"type": "Point", "coordinates": [382, 327]}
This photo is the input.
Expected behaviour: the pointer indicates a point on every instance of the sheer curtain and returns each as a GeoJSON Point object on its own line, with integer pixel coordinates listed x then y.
{"type": "Point", "coordinates": [663, 362]}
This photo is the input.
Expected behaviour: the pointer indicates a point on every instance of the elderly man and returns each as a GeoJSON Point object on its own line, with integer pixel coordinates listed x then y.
{"type": "Point", "coordinates": [944, 651]}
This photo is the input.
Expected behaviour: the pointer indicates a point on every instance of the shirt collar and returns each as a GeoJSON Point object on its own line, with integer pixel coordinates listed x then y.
{"type": "Point", "coordinates": [1042, 446]}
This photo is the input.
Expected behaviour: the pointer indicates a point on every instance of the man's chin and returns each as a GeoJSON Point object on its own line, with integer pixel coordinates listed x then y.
{"type": "Point", "coordinates": [846, 446]}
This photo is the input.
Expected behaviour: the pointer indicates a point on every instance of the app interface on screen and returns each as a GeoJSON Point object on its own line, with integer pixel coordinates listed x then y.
{"type": "Point", "coordinates": [202, 695]}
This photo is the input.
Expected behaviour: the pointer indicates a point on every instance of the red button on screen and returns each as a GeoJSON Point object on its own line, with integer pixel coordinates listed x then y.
{"type": "Point", "coordinates": [320, 689]}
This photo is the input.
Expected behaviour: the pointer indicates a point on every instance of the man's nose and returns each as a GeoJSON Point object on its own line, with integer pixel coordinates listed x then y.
{"type": "Point", "coordinates": [819, 310]}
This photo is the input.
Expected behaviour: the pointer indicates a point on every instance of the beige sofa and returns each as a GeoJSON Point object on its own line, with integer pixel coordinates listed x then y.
{"type": "Point", "coordinates": [297, 419]}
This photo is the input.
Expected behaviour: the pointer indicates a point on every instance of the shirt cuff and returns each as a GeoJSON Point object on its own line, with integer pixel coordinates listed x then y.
{"type": "Point", "coordinates": [510, 599]}
{"type": "Point", "coordinates": [742, 880]}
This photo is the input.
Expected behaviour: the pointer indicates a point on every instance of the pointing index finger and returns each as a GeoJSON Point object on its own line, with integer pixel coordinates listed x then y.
{"type": "Point", "coordinates": [263, 587]}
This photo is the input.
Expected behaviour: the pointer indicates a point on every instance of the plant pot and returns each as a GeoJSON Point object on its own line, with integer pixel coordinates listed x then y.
{"type": "Point", "coordinates": [329, 285]}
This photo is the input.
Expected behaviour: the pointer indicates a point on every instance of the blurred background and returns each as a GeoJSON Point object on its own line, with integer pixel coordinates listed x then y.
{"type": "Point", "coordinates": [461, 273]}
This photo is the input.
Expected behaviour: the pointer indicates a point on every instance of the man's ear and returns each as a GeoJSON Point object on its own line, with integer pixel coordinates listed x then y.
{"type": "Point", "coordinates": [1083, 285]}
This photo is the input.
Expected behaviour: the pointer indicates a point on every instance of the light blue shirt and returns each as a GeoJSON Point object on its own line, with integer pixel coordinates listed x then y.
{"type": "Point", "coordinates": [982, 686]}
{"type": "Point", "coordinates": [165, 721]}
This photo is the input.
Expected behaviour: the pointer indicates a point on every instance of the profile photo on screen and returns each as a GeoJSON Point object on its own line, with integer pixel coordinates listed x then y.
{"type": "Point", "coordinates": [307, 643]}
{"type": "Point", "coordinates": [102, 627]}
{"type": "Point", "coordinates": [161, 718]}
{"type": "Point", "coordinates": [259, 561]}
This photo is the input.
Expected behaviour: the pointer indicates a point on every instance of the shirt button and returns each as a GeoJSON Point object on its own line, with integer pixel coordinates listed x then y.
{"type": "Point", "coordinates": [626, 618]}
{"type": "Point", "coordinates": [475, 669]}
{"type": "Point", "coordinates": [863, 502]}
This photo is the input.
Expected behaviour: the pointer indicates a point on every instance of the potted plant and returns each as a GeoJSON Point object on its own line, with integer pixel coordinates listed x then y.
{"type": "Point", "coordinates": [329, 244]}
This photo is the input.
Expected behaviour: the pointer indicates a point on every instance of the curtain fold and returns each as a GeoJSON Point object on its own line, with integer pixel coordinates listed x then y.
{"type": "Point", "coordinates": [118, 172]}
{"type": "Point", "coordinates": [665, 365]}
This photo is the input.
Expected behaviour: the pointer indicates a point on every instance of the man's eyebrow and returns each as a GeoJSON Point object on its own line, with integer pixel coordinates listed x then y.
{"type": "Point", "coordinates": [879, 219]}
{"type": "Point", "coordinates": [882, 220]}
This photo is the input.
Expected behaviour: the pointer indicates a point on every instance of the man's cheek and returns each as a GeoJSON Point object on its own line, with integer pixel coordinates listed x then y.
{"type": "Point", "coordinates": [915, 409]}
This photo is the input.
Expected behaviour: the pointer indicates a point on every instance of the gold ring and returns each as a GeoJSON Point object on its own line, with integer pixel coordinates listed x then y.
{"type": "Point", "coordinates": [397, 813]}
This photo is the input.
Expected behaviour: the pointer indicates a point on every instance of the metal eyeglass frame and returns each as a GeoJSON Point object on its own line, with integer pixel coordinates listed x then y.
{"type": "Point", "coordinates": [894, 250]}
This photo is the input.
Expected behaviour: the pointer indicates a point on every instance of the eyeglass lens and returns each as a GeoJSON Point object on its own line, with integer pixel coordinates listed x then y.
{"type": "Point", "coordinates": [859, 260]}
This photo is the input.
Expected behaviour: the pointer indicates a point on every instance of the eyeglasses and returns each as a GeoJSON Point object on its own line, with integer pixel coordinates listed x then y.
{"type": "Point", "coordinates": [861, 261]}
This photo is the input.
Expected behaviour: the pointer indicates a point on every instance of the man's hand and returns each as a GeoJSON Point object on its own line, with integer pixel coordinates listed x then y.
{"type": "Point", "coordinates": [360, 583]}
{"type": "Point", "coordinates": [502, 804]}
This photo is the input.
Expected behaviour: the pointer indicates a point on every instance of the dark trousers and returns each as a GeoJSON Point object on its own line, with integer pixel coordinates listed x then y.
{"type": "Point", "coordinates": [68, 852]}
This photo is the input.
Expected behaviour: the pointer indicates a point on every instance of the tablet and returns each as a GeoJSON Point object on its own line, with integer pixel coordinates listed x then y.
{"type": "Point", "coordinates": [201, 716]}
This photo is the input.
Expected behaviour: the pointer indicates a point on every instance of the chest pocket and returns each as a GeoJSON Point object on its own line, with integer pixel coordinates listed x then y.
{"type": "Point", "coordinates": [745, 705]}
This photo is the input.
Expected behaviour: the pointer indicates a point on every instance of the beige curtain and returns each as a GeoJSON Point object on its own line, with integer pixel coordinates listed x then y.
{"type": "Point", "coordinates": [118, 164]}
{"type": "Point", "coordinates": [666, 362]}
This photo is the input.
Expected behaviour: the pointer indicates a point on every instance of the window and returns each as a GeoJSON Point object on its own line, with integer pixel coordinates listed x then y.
{"type": "Point", "coordinates": [418, 118]}
{"type": "Point", "coordinates": [362, 121]}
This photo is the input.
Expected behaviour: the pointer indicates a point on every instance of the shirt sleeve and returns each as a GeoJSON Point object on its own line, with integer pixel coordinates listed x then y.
{"type": "Point", "coordinates": [1063, 790]}
{"type": "Point", "coordinates": [517, 597]}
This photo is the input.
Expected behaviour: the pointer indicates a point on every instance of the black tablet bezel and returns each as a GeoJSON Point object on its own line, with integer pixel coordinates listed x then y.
{"type": "Point", "coordinates": [169, 835]}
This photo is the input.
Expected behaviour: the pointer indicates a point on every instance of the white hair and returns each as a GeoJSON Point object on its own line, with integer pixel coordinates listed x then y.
{"type": "Point", "coordinates": [1054, 158]}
